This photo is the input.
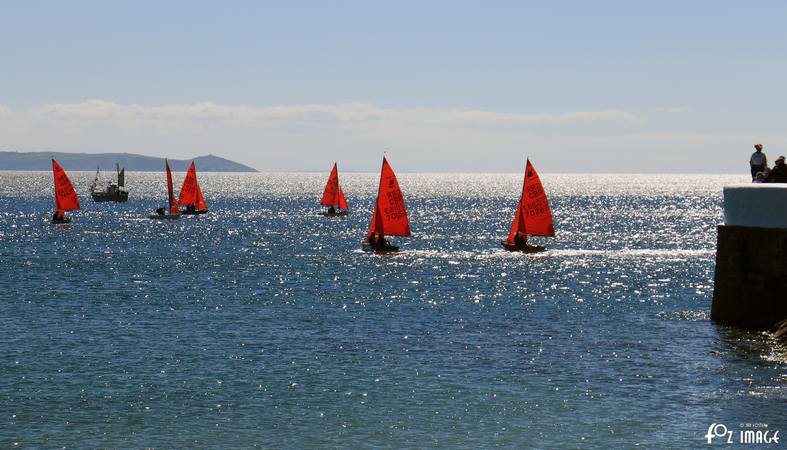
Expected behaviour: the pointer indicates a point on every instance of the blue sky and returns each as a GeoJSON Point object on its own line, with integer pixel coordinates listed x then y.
{"type": "Point", "coordinates": [610, 86]}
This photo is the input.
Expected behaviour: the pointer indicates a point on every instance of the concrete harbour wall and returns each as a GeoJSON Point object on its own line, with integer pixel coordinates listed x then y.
{"type": "Point", "coordinates": [750, 284]}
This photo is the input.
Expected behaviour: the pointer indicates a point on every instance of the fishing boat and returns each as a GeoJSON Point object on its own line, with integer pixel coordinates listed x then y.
{"type": "Point", "coordinates": [113, 192]}
{"type": "Point", "coordinates": [174, 211]}
{"type": "Point", "coordinates": [533, 216]}
{"type": "Point", "coordinates": [191, 194]}
{"type": "Point", "coordinates": [390, 215]}
{"type": "Point", "coordinates": [65, 196]}
{"type": "Point", "coordinates": [333, 196]}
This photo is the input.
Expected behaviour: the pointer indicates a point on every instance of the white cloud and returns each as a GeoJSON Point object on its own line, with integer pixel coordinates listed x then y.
{"type": "Point", "coordinates": [342, 114]}
{"type": "Point", "coordinates": [311, 137]}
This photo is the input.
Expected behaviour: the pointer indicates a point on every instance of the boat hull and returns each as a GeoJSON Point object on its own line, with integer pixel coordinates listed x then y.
{"type": "Point", "coordinates": [104, 197]}
{"type": "Point", "coordinates": [61, 220]}
{"type": "Point", "coordinates": [336, 214]}
{"type": "Point", "coordinates": [376, 248]}
{"type": "Point", "coordinates": [194, 213]}
{"type": "Point", "coordinates": [523, 248]}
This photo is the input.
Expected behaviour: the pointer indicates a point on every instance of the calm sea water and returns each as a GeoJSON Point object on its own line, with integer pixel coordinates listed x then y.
{"type": "Point", "coordinates": [262, 324]}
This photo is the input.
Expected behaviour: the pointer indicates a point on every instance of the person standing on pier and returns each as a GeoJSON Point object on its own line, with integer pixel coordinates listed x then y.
{"type": "Point", "coordinates": [758, 161]}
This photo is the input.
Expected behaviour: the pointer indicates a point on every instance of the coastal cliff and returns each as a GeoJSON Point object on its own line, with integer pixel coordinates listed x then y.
{"type": "Point", "coordinates": [131, 162]}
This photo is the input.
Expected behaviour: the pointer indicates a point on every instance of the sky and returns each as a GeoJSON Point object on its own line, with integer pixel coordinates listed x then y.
{"type": "Point", "coordinates": [450, 86]}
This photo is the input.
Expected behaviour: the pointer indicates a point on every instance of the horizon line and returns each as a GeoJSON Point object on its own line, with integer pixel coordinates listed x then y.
{"type": "Point", "coordinates": [414, 172]}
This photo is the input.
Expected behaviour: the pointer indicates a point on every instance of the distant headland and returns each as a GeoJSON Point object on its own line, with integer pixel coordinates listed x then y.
{"type": "Point", "coordinates": [106, 161]}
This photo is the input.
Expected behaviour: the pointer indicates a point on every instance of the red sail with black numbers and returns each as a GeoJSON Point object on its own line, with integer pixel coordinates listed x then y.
{"type": "Point", "coordinates": [173, 204]}
{"type": "Point", "coordinates": [533, 216]}
{"type": "Point", "coordinates": [330, 196]}
{"type": "Point", "coordinates": [190, 193]}
{"type": "Point", "coordinates": [65, 196]}
{"type": "Point", "coordinates": [390, 215]}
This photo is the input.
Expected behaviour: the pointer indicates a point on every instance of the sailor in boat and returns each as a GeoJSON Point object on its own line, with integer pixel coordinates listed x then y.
{"type": "Point", "coordinates": [161, 211]}
{"type": "Point", "coordinates": [333, 211]}
{"type": "Point", "coordinates": [520, 244]}
{"type": "Point", "coordinates": [191, 208]}
{"type": "Point", "coordinates": [60, 217]}
{"type": "Point", "coordinates": [377, 242]}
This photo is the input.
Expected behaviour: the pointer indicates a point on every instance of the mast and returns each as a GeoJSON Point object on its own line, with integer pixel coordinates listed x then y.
{"type": "Point", "coordinates": [338, 186]}
{"type": "Point", "coordinates": [377, 220]}
{"type": "Point", "coordinates": [95, 180]}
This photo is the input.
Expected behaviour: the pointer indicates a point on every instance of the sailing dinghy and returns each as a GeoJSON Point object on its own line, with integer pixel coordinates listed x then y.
{"type": "Point", "coordinates": [65, 196]}
{"type": "Point", "coordinates": [390, 216]}
{"type": "Point", "coordinates": [174, 211]}
{"type": "Point", "coordinates": [333, 196]}
{"type": "Point", "coordinates": [533, 216]}
{"type": "Point", "coordinates": [191, 194]}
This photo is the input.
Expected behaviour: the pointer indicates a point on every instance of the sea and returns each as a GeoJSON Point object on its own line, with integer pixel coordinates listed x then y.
{"type": "Point", "coordinates": [264, 325]}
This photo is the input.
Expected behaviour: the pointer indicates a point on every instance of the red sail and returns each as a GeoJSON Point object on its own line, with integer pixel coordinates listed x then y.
{"type": "Point", "coordinates": [188, 193]}
{"type": "Point", "coordinates": [330, 197]}
{"type": "Point", "coordinates": [200, 199]}
{"type": "Point", "coordinates": [173, 204]}
{"type": "Point", "coordinates": [389, 216]}
{"type": "Point", "coordinates": [533, 216]}
{"type": "Point", "coordinates": [342, 200]}
{"type": "Point", "coordinates": [65, 196]}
